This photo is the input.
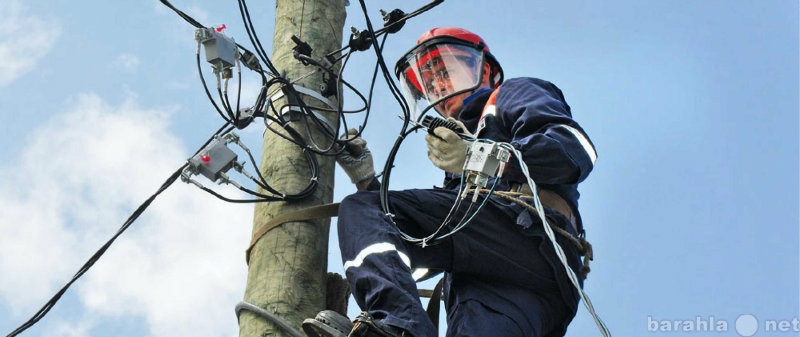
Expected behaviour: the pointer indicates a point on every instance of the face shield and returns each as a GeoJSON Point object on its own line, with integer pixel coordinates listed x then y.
{"type": "Point", "coordinates": [437, 70]}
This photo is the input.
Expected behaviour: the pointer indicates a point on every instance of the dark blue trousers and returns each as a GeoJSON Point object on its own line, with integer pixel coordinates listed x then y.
{"type": "Point", "coordinates": [502, 275]}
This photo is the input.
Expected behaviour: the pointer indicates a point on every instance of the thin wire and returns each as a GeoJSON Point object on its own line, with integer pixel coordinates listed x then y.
{"type": "Point", "coordinates": [483, 203]}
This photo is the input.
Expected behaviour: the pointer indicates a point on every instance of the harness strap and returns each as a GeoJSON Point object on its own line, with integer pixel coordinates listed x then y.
{"type": "Point", "coordinates": [313, 212]}
{"type": "Point", "coordinates": [433, 303]}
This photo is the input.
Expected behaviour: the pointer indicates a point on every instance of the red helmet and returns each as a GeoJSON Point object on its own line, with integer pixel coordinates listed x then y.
{"type": "Point", "coordinates": [445, 62]}
{"type": "Point", "coordinates": [467, 36]}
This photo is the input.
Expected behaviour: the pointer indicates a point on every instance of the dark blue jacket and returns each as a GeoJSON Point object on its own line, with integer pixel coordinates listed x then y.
{"type": "Point", "coordinates": [533, 116]}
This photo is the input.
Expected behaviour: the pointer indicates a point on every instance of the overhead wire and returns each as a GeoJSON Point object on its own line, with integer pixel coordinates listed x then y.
{"type": "Point", "coordinates": [96, 256]}
{"type": "Point", "coordinates": [384, 196]}
{"type": "Point", "coordinates": [250, 29]}
{"type": "Point", "coordinates": [396, 93]}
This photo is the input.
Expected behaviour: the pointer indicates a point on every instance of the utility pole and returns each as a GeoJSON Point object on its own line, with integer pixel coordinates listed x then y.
{"type": "Point", "coordinates": [288, 265]}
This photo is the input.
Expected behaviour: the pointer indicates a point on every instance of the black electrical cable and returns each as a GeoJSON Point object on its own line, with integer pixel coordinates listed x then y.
{"type": "Point", "coordinates": [208, 92]}
{"type": "Point", "coordinates": [260, 51]}
{"type": "Point", "coordinates": [293, 95]}
{"type": "Point", "coordinates": [238, 92]}
{"type": "Point", "coordinates": [372, 89]}
{"type": "Point", "coordinates": [261, 98]}
{"type": "Point", "coordinates": [389, 28]}
{"type": "Point", "coordinates": [387, 170]}
{"type": "Point", "coordinates": [223, 98]}
{"type": "Point", "coordinates": [368, 102]}
{"type": "Point", "coordinates": [384, 195]}
{"type": "Point", "coordinates": [251, 33]}
{"type": "Point", "coordinates": [339, 79]}
{"type": "Point", "coordinates": [342, 125]}
{"type": "Point", "coordinates": [94, 258]}
{"type": "Point", "coordinates": [183, 15]}
{"type": "Point", "coordinates": [261, 181]}
{"type": "Point", "coordinates": [239, 201]}
{"type": "Point", "coordinates": [297, 139]}
{"type": "Point", "coordinates": [232, 118]}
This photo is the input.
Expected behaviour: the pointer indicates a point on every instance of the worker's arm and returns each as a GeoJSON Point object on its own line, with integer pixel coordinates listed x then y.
{"type": "Point", "coordinates": [554, 147]}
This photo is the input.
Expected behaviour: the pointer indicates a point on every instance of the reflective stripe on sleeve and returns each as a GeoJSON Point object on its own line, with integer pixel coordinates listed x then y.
{"type": "Point", "coordinates": [587, 146]}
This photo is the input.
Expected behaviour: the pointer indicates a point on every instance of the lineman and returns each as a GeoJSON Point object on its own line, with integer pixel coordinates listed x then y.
{"type": "Point", "coordinates": [502, 276]}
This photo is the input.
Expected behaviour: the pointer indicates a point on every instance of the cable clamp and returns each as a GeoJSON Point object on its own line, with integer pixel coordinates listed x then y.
{"type": "Point", "coordinates": [295, 112]}
{"type": "Point", "coordinates": [306, 91]}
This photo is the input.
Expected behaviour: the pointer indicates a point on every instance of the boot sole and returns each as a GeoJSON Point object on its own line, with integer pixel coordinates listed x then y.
{"type": "Point", "coordinates": [327, 323]}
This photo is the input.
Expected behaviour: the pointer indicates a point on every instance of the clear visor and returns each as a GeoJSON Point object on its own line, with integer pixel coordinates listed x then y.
{"type": "Point", "coordinates": [431, 74]}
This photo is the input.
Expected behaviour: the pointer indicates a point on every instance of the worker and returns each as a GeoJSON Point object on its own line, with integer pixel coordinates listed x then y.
{"type": "Point", "coordinates": [502, 276]}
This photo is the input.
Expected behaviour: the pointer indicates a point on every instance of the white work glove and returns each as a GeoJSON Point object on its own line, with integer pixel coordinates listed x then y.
{"type": "Point", "coordinates": [446, 149]}
{"type": "Point", "coordinates": [356, 159]}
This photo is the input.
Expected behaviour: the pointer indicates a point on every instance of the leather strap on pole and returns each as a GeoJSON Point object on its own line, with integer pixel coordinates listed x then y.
{"type": "Point", "coordinates": [313, 212]}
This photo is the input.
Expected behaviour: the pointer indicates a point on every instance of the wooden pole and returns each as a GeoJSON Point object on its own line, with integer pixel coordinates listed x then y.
{"type": "Point", "coordinates": [287, 269]}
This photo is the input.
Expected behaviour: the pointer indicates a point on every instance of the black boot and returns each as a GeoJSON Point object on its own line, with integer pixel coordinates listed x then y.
{"type": "Point", "coordinates": [327, 323]}
{"type": "Point", "coordinates": [366, 326]}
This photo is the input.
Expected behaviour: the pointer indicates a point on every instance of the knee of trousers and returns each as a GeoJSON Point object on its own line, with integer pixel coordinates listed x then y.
{"type": "Point", "coordinates": [362, 222]}
{"type": "Point", "coordinates": [359, 209]}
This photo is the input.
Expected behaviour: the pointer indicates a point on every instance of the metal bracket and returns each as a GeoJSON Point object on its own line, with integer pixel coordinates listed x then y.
{"type": "Point", "coordinates": [296, 109]}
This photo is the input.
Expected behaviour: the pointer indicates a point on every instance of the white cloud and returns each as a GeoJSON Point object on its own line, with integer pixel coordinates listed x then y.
{"type": "Point", "coordinates": [127, 62]}
{"type": "Point", "coordinates": [24, 39]}
{"type": "Point", "coordinates": [179, 268]}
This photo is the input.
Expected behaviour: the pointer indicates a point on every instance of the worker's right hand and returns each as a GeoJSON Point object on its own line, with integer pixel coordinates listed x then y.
{"type": "Point", "coordinates": [447, 150]}
{"type": "Point", "coordinates": [355, 158]}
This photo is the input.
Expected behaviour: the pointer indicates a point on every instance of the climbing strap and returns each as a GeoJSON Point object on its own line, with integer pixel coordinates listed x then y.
{"type": "Point", "coordinates": [313, 212]}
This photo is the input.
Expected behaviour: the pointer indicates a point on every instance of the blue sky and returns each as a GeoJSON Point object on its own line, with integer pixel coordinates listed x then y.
{"type": "Point", "coordinates": [692, 208]}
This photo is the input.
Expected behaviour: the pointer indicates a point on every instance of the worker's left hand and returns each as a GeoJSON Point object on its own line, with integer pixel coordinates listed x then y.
{"type": "Point", "coordinates": [355, 158]}
{"type": "Point", "coordinates": [447, 150]}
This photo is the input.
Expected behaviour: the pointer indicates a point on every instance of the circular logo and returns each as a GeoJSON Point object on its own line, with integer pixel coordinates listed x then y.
{"type": "Point", "coordinates": [746, 325]}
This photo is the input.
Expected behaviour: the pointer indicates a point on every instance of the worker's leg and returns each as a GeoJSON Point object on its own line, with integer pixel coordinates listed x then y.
{"type": "Point", "coordinates": [378, 262]}
{"type": "Point", "coordinates": [506, 277]}
{"type": "Point", "coordinates": [501, 258]}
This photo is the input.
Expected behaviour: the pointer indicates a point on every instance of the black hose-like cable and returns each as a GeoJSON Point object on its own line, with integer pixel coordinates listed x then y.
{"type": "Point", "coordinates": [297, 139]}
{"type": "Point", "coordinates": [183, 15]}
{"type": "Point", "coordinates": [208, 92]}
{"type": "Point", "coordinates": [264, 198]}
{"type": "Point", "coordinates": [251, 32]}
{"type": "Point", "coordinates": [384, 195]}
{"type": "Point", "coordinates": [96, 256]}
{"type": "Point", "coordinates": [135, 215]}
